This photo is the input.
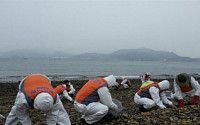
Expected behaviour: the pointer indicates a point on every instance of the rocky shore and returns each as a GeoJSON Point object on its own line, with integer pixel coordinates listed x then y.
{"type": "Point", "coordinates": [130, 115]}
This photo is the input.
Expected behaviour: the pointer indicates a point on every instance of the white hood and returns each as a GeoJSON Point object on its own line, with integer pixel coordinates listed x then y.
{"type": "Point", "coordinates": [43, 101]}
{"type": "Point", "coordinates": [111, 80]}
{"type": "Point", "coordinates": [164, 85]}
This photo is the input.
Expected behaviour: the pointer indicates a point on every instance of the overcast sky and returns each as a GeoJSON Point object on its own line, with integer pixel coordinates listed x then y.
{"type": "Point", "coordinates": [103, 26]}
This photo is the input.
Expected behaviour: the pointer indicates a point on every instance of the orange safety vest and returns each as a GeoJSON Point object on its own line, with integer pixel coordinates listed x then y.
{"type": "Point", "coordinates": [35, 84]}
{"type": "Point", "coordinates": [129, 82]}
{"type": "Point", "coordinates": [88, 93]}
{"type": "Point", "coordinates": [59, 89]}
{"type": "Point", "coordinates": [144, 92]}
{"type": "Point", "coordinates": [186, 88]}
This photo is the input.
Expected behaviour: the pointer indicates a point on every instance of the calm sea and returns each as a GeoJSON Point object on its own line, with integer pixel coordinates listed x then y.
{"type": "Point", "coordinates": [60, 69]}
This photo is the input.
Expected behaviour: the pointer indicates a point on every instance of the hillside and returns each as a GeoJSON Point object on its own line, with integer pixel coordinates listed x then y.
{"type": "Point", "coordinates": [142, 54]}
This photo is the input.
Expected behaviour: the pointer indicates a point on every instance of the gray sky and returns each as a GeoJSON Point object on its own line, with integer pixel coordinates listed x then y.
{"type": "Point", "coordinates": [103, 26]}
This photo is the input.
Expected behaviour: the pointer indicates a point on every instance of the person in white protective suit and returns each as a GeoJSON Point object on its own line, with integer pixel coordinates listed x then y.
{"type": "Point", "coordinates": [145, 77]}
{"type": "Point", "coordinates": [36, 92]}
{"type": "Point", "coordinates": [125, 83]}
{"type": "Point", "coordinates": [152, 95]}
{"type": "Point", "coordinates": [69, 87]}
{"type": "Point", "coordinates": [94, 101]}
{"type": "Point", "coordinates": [186, 86]}
{"type": "Point", "coordinates": [65, 90]}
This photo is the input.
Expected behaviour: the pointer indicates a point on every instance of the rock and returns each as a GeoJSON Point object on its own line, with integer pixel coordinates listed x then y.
{"type": "Point", "coordinates": [146, 114]}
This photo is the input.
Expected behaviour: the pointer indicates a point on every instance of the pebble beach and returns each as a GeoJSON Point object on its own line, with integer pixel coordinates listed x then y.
{"type": "Point", "coordinates": [130, 115]}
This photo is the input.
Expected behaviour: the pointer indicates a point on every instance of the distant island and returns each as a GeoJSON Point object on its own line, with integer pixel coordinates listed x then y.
{"type": "Point", "coordinates": [141, 54]}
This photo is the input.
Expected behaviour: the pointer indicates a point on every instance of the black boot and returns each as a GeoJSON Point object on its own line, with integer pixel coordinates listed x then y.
{"type": "Point", "coordinates": [142, 109]}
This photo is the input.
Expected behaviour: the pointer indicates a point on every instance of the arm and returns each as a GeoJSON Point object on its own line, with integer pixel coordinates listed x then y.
{"type": "Point", "coordinates": [164, 99]}
{"type": "Point", "coordinates": [124, 81]}
{"type": "Point", "coordinates": [142, 79]}
{"type": "Point", "coordinates": [196, 86]}
{"type": "Point", "coordinates": [72, 90]}
{"type": "Point", "coordinates": [177, 91]}
{"type": "Point", "coordinates": [22, 109]}
{"type": "Point", "coordinates": [53, 114]}
{"type": "Point", "coordinates": [106, 99]}
{"type": "Point", "coordinates": [155, 96]}
{"type": "Point", "coordinates": [65, 94]}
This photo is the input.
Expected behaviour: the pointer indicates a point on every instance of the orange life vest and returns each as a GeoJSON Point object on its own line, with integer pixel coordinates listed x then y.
{"type": "Point", "coordinates": [33, 85]}
{"type": "Point", "coordinates": [186, 88]}
{"type": "Point", "coordinates": [129, 82]}
{"type": "Point", "coordinates": [88, 93]}
{"type": "Point", "coordinates": [59, 89]}
{"type": "Point", "coordinates": [144, 92]}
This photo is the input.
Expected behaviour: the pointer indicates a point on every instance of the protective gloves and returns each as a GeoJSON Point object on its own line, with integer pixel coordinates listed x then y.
{"type": "Point", "coordinates": [173, 106]}
{"type": "Point", "coordinates": [181, 103]}
{"type": "Point", "coordinates": [116, 87]}
{"type": "Point", "coordinates": [194, 99]}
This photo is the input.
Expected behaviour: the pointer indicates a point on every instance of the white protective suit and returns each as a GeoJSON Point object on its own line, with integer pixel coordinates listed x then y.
{"type": "Point", "coordinates": [95, 111]}
{"type": "Point", "coordinates": [195, 90]}
{"type": "Point", "coordinates": [65, 94]}
{"type": "Point", "coordinates": [72, 90]}
{"type": "Point", "coordinates": [157, 97]}
{"type": "Point", "coordinates": [145, 77]}
{"type": "Point", "coordinates": [124, 83]}
{"type": "Point", "coordinates": [19, 114]}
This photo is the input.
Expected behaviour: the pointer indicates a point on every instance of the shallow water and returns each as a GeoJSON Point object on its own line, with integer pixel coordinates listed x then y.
{"type": "Point", "coordinates": [59, 69]}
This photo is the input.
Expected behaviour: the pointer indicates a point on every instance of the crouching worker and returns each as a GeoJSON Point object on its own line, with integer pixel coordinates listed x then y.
{"type": "Point", "coordinates": [61, 90]}
{"type": "Point", "coordinates": [36, 92]}
{"type": "Point", "coordinates": [93, 101]}
{"type": "Point", "coordinates": [145, 77]}
{"type": "Point", "coordinates": [69, 87]}
{"type": "Point", "coordinates": [186, 86]}
{"type": "Point", "coordinates": [152, 94]}
{"type": "Point", "coordinates": [125, 83]}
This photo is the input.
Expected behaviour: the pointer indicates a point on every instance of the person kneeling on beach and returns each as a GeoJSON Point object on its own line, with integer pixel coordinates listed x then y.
{"type": "Point", "coordinates": [145, 77]}
{"type": "Point", "coordinates": [125, 83]}
{"type": "Point", "coordinates": [152, 94]}
{"type": "Point", "coordinates": [94, 101]}
{"type": "Point", "coordinates": [186, 86]}
{"type": "Point", "coordinates": [36, 92]}
{"type": "Point", "coordinates": [65, 90]}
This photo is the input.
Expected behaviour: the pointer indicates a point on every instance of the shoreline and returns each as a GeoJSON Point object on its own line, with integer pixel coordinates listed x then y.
{"type": "Point", "coordinates": [57, 78]}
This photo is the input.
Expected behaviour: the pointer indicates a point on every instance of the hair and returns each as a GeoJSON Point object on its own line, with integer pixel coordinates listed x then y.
{"type": "Point", "coordinates": [65, 81]}
{"type": "Point", "coordinates": [181, 78]}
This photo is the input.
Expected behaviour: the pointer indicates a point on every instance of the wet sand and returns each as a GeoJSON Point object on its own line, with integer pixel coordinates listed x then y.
{"type": "Point", "coordinates": [129, 116]}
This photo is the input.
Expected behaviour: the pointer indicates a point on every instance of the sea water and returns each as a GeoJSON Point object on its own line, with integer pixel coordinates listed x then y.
{"type": "Point", "coordinates": [60, 69]}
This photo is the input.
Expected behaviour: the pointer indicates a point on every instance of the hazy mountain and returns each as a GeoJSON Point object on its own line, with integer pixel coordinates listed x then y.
{"type": "Point", "coordinates": [94, 56]}
{"type": "Point", "coordinates": [35, 54]}
{"type": "Point", "coordinates": [141, 54]}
